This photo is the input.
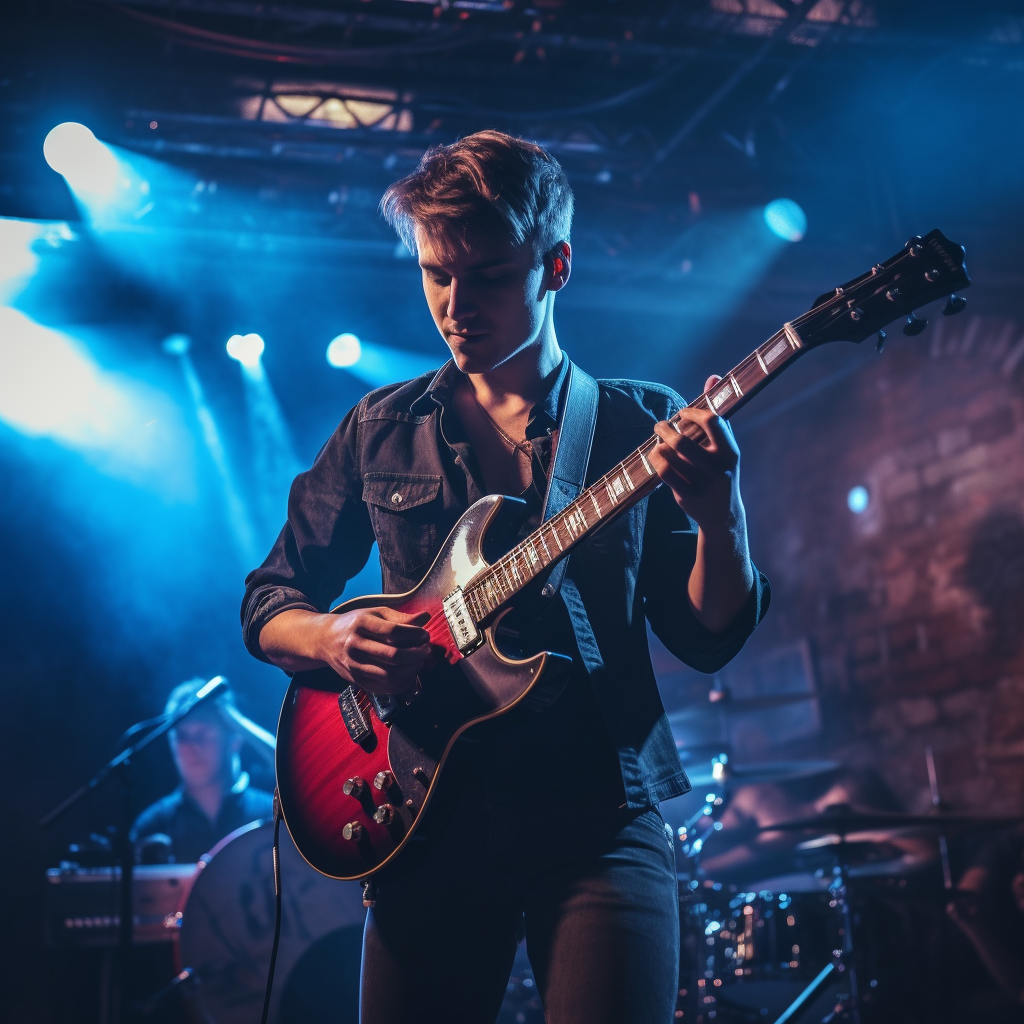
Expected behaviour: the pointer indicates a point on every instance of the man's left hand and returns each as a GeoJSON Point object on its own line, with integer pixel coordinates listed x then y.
{"type": "Point", "coordinates": [705, 479]}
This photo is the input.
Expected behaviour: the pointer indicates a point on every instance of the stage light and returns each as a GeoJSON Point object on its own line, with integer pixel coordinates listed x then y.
{"type": "Point", "coordinates": [786, 219]}
{"type": "Point", "coordinates": [858, 499]}
{"type": "Point", "coordinates": [52, 387]}
{"type": "Point", "coordinates": [345, 350]}
{"type": "Point", "coordinates": [87, 164]}
{"type": "Point", "coordinates": [176, 344]}
{"type": "Point", "coordinates": [377, 365]}
{"type": "Point", "coordinates": [246, 348]}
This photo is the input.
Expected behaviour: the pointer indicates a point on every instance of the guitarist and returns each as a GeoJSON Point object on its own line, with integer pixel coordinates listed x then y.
{"type": "Point", "coordinates": [547, 823]}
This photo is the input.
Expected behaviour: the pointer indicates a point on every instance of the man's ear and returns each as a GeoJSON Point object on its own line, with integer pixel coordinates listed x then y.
{"type": "Point", "coordinates": [557, 265]}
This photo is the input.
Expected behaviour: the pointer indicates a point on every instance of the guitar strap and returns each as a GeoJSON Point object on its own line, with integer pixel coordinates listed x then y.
{"type": "Point", "coordinates": [572, 453]}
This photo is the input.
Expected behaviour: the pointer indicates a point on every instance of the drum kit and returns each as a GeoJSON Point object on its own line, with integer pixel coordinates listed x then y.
{"type": "Point", "coordinates": [826, 915]}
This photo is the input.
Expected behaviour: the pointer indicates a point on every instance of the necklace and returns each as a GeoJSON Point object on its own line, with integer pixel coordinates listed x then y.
{"type": "Point", "coordinates": [523, 446]}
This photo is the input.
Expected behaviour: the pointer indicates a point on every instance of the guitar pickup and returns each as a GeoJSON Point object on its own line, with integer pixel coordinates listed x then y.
{"type": "Point", "coordinates": [464, 630]}
{"type": "Point", "coordinates": [355, 718]}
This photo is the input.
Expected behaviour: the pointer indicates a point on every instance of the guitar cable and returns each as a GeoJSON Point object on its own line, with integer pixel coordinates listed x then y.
{"type": "Point", "coordinates": [277, 907]}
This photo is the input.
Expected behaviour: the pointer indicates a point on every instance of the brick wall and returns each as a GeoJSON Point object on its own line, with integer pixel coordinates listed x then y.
{"type": "Point", "coordinates": [913, 609]}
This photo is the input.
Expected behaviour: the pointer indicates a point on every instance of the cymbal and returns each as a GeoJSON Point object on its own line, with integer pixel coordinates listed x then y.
{"type": "Point", "coordinates": [842, 820]}
{"type": "Point", "coordinates": [752, 774]}
{"type": "Point", "coordinates": [737, 705]}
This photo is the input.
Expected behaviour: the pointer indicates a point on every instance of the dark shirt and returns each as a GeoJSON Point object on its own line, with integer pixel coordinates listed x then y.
{"type": "Point", "coordinates": [399, 470]}
{"type": "Point", "coordinates": [191, 832]}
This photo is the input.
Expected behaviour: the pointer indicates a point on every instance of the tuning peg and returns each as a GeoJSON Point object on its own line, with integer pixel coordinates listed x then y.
{"type": "Point", "coordinates": [880, 344]}
{"type": "Point", "coordinates": [954, 304]}
{"type": "Point", "coordinates": [914, 325]}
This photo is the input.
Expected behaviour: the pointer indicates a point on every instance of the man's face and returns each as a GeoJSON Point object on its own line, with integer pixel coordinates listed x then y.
{"type": "Point", "coordinates": [202, 748]}
{"type": "Point", "coordinates": [487, 297]}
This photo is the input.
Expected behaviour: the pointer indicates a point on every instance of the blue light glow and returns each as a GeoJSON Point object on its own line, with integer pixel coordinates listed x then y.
{"type": "Point", "coordinates": [786, 219]}
{"type": "Point", "coordinates": [345, 350]}
{"type": "Point", "coordinates": [52, 387]}
{"type": "Point", "coordinates": [89, 166]}
{"type": "Point", "coordinates": [377, 365]}
{"type": "Point", "coordinates": [246, 348]}
{"type": "Point", "coordinates": [176, 344]}
{"type": "Point", "coordinates": [858, 499]}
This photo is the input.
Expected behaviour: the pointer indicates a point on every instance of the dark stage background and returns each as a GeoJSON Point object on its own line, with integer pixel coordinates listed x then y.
{"type": "Point", "coordinates": [137, 486]}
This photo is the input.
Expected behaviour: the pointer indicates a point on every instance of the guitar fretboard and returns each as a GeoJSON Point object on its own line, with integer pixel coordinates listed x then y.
{"type": "Point", "coordinates": [630, 481]}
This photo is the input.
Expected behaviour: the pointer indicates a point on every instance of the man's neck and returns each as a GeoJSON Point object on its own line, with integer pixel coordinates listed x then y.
{"type": "Point", "coordinates": [520, 382]}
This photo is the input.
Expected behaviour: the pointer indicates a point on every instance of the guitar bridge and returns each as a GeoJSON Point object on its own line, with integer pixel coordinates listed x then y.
{"type": "Point", "coordinates": [464, 630]}
{"type": "Point", "coordinates": [355, 719]}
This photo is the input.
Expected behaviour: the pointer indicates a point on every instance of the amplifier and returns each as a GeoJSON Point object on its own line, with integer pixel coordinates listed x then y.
{"type": "Point", "coordinates": [82, 904]}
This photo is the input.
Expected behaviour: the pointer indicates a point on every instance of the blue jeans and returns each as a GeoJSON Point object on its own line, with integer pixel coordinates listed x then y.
{"type": "Point", "coordinates": [595, 894]}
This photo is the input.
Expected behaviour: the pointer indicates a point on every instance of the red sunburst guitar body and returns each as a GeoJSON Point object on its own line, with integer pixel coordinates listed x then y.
{"type": "Point", "coordinates": [352, 804]}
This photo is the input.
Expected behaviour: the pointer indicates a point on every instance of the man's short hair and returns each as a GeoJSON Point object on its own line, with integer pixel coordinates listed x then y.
{"type": "Point", "coordinates": [488, 178]}
{"type": "Point", "coordinates": [186, 691]}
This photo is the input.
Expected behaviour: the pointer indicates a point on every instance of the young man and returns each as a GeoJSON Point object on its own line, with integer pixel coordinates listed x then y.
{"type": "Point", "coordinates": [545, 822]}
{"type": "Point", "coordinates": [214, 797]}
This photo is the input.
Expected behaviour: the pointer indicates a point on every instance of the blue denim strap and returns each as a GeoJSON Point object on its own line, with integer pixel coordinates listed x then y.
{"type": "Point", "coordinates": [572, 453]}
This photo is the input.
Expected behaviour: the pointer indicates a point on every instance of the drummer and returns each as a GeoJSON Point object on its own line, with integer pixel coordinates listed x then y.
{"type": "Point", "coordinates": [214, 796]}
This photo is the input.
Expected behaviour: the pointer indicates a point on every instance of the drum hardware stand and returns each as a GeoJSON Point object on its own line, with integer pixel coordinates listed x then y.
{"type": "Point", "coordinates": [794, 1007]}
{"type": "Point", "coordinates": [842, 958]}
{"type": "Point", "coordinates": [120, 766]}
{"type": "Point", "coordinates": [933, 785]}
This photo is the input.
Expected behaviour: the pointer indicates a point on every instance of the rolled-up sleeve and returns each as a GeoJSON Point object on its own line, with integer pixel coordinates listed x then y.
{"type": "Point", "coordinates": [669, 553]}
{"type": "Point", "coordinates": [325, 541]}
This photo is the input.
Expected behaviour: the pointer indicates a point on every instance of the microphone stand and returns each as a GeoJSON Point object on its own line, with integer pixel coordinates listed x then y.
{"type": "Point", "coordinates": [121, 765]}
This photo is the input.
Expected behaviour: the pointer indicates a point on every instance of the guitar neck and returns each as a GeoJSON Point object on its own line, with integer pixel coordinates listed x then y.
{"type": "Point", "coordinates": [622, 487]}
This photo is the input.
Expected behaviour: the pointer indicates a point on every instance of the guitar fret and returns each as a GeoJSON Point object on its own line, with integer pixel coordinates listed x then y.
{"type": "Point", "coordinates": [502, 576]}
{"type": "Point", "coordinates": [593, 499]}
{"type": "Point", "coordinates": [625, 473]}
{"type": "Point", "coordinates": [647, 465]}
{"type": "Point", "coordinates": [554, 532]}
{"type": "Point", "coordinates": [540, 537]}
{"type": "Point", "coordinates": [794, 339]}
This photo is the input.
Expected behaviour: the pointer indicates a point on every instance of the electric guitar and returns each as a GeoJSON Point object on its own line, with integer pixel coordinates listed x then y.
{"type": "Point", "coordinates": [356, 771]}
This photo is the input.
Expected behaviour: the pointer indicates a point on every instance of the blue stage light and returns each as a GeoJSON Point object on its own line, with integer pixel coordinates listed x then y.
{"type": "Point", "coordinates": [176, 344]}
{"type": "Point", "coordinates": [858, 499]}
{"type": "Point", "coordinates": [246, 348]}
{"type": "Point", "coordinates": [786, 219]}
{"type": "Point", "coordinates": [345, 350]}
{"type": "Point", "coordinates": [89, 166]}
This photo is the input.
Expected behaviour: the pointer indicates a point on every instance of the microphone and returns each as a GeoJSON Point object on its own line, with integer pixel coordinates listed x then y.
{"type": "Point", "coordinates": [211, 689]}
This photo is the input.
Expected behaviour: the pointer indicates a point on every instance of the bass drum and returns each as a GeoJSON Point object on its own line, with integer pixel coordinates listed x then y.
{"type": "Point", "coordinates": [226, 932]}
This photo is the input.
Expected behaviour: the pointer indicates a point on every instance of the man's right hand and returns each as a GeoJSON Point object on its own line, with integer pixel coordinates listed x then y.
{"type": "Point", "coordinates": [378, 649]}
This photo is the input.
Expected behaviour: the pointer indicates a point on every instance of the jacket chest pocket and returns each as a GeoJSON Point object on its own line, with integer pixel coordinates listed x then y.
{"type": "Point", "coordinates": [404, 511]}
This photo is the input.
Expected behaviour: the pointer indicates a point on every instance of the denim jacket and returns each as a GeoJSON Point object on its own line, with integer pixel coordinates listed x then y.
{"type": "Point", "coordinates": [395, 473]}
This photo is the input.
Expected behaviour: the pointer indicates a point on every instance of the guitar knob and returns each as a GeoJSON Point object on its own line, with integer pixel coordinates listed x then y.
{"type": "Point", "coordinates": [353, 831]}
{"type": "Point", "coordinates": [384, 815]}
{"type": "Point", "coordinates": [383, 781]}
{"type": "Point", "coordinates": [354, 787]}
{"type": "Point", "coordinates": [914, 325]}
{"type": "Point", "coordinates": [880, 344]}
{"type": "Point", "coordinates": [954, 304]}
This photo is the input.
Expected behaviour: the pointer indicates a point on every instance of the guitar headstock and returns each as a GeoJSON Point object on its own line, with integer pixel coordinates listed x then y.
{"type": "Point", "coordinates": [924, 270]}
